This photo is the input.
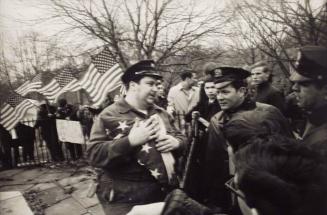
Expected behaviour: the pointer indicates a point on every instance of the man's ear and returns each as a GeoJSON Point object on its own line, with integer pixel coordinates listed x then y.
{"type": "Point", "coordinates": [132, 84]}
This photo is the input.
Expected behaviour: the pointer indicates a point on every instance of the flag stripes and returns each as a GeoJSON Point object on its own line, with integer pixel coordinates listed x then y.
{"type": "Point", "coordinates": [30, 85]}
{"type": "Point", "coordinates": [14, 110]}
{"type": "Point", "coordinates": [103, 76]}
{"type": "Point", "coordinates": [60, 84]}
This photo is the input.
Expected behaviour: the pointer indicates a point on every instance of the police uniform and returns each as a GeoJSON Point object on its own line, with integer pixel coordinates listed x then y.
{"type": "Point", "coordinates": [217, 167]}
{"type": "Point", "coordinates": [125, 181]}
{"type": "Point", "coordinates": [311, 65]}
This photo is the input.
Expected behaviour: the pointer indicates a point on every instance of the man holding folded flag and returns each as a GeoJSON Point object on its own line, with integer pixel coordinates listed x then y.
{"type": "Point", "coordinates": [136, 145]}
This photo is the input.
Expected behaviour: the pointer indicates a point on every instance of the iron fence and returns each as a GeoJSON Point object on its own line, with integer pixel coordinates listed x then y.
{"type": "Point", "coordinates": [34, 146]}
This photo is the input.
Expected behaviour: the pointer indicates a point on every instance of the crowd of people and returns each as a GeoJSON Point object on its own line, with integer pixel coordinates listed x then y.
{"type": "Point", "coordinates": [250, 157]}
{"type": "Point", "coordinates": [31, 134]}
{"type": "Point", "coordinates": [257, 150]}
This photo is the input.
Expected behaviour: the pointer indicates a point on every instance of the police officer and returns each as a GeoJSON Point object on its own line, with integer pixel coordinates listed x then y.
{"type": "Point", "coordinates": [235, 105]}
{"type": "Point", "coordinates": [123, 133]}
{"type": "Point", "coordinates": [310, 87]}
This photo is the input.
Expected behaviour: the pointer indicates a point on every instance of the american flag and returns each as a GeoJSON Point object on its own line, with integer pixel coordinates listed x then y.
{"type": "Point", "coordinates": [30, 85]}
{"type": "Point", "coordinates": [102, 76]}
{"type": "Point", "coordinates": [14, 110]}
{"type": "Point", "coordinates": [61, 83]}
{"type": "Point", "coordinates": [147, 154]}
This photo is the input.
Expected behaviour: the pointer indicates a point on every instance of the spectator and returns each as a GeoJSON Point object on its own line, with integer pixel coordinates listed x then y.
{"type": "Point", "coordinates": [68, 112]}
{"type": "Point", "coordinates": [128, 130]}
{"type": "Point", "coordinates": [161, 96]}
{"type": "Point", "coordinates": [46, 121]}
{"type": "Point", "coordinates": [184, 96]}
{"type": "Point", "coordinates": [26, 138]}
{"type": "Point", "coordinates": [85, 117]}
{"type": "Point", "coordinates": [261, 78]}
{"type": "Point", "coordinates": [5, 148]}
{"type": "Point", "coordinates": [207, 106]}
{"type": "Point", "coordinates": [274, 175]}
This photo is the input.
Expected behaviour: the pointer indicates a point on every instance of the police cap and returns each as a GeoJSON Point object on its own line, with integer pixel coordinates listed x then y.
{"type": "Point", "coordinates": [140, 69]}
{"type": "Point", "coordinates": [311, 63]}
{"type": "Point", "coordinates": [229, 74]}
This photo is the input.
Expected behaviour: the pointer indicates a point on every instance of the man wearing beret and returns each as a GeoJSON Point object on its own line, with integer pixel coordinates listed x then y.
{"type": "Point", "coordinates": [235, 105]}
{"type": "Point", "coordinates": [309, 77]}
{"type": "Point", "coordinates": [135, 143]}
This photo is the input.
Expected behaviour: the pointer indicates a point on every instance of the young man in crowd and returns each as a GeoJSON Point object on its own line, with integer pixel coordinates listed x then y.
{"type": "Point", "coordinates": [261, 78]}
{"type": "Point", "coordinates": [135, 144]}
{"type": "Point", "coordinates": [235, 104]}
{"type": "Point", "coordinates": [309, 78]}
{"type": "Point", "coordinates": [184, 96]}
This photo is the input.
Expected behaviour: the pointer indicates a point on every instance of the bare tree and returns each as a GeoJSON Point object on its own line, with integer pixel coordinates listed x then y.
{"type": "Point", "coordinates": [140, 29]}
{"type": "Point", "coordinates": [275, 27]}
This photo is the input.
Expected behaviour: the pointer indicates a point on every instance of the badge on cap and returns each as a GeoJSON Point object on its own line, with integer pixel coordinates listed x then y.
{"type": "Point", "coordinates": [218, 72]}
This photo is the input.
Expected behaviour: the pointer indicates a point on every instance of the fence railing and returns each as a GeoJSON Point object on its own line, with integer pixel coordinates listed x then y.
{"type": "Point", "coordinates": [38, 145]}
{"type": "Point", "coordinates": [32, 145]}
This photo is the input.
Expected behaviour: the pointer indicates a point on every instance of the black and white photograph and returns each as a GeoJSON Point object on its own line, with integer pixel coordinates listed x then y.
{"type": "Point", "coordinates": [163, 107]}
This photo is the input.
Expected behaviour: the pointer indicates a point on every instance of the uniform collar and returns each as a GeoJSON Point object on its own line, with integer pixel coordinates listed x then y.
{"type": "Point", "coordinates": [247, 104]}
{"type": "Point", "coordinates": [124, 107]}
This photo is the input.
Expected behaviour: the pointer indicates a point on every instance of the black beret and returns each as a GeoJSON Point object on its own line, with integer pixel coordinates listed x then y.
{"type": "Point", "coordinates": [231, 74]}
{"type": "Point", "coordinates": [312, 62]}
{"type": "Point", "coordinates": [140, 69]}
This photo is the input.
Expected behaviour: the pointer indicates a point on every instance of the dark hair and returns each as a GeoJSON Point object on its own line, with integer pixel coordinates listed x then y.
{"type": "Point", "coordinates": [186, 74]}
{"type": "Point", "coordinates": [136, 79]}
{"type": "Point", "coordinates": [62, 102]}
{"type": "Point", "coordinates": [237, 84]}
{"type": "Point", "coordinates": [281, 176]}
{"type": "Point", "coordinates": [252, 125]}
{"type": "Point", "coordinates": [209, 80]}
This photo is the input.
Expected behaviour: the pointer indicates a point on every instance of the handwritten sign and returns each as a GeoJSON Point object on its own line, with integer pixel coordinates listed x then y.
{"type": "Point", "coordinates": [70, 131]}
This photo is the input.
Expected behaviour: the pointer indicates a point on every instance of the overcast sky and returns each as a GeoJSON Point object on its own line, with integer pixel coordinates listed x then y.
{"type": "Point", "coordinates": [15, 17]}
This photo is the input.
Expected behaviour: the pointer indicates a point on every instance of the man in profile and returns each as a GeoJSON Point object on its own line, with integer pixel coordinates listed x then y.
{"type": "Point", "coordinates": [135, 143]}
{"type": "Point", "coordinates": [309, 78]}
{"type": "Point", "coordinates": [235, 104]}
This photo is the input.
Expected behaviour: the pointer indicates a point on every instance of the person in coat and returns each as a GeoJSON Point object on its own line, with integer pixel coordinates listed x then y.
{"type": "Point", "coordinates": [135, 144]}
{"type": "Point", "coordinates": [235, 104]}
{"type": "Point", "coordinates": [264, 92]}
{"type": "Point", "coordinates": [309, 78]}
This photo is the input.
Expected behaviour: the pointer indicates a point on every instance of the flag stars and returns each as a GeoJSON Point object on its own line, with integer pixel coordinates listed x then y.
{"type": "Point", "coordinates": [123, 125]}
{"type": "Point", "coordinates": [155, 173]}
{"type": "Point", "coordinates": [146, 148]}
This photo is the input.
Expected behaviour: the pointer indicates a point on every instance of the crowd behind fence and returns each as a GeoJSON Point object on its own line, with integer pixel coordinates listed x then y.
{"type": "Point", "coordinates": [28, 146]}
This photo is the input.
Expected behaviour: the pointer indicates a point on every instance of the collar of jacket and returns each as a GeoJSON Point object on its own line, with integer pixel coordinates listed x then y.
{"type": "Point", "coordinates": [124, 107]}
{"type": "Point", "coordinates": [264, 85]}
{"type": "Point", "coordinates": [248, 104]}
{"type": "Point", "coordinates": [318, 116]}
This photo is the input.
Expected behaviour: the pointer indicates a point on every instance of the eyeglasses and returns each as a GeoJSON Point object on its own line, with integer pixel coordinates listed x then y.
{"type": "Point", "coordinates": [230, 185]}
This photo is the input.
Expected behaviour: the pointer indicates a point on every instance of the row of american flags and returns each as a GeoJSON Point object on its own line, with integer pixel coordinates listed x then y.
{"type": "Point", "coordinates": [103, 76]}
